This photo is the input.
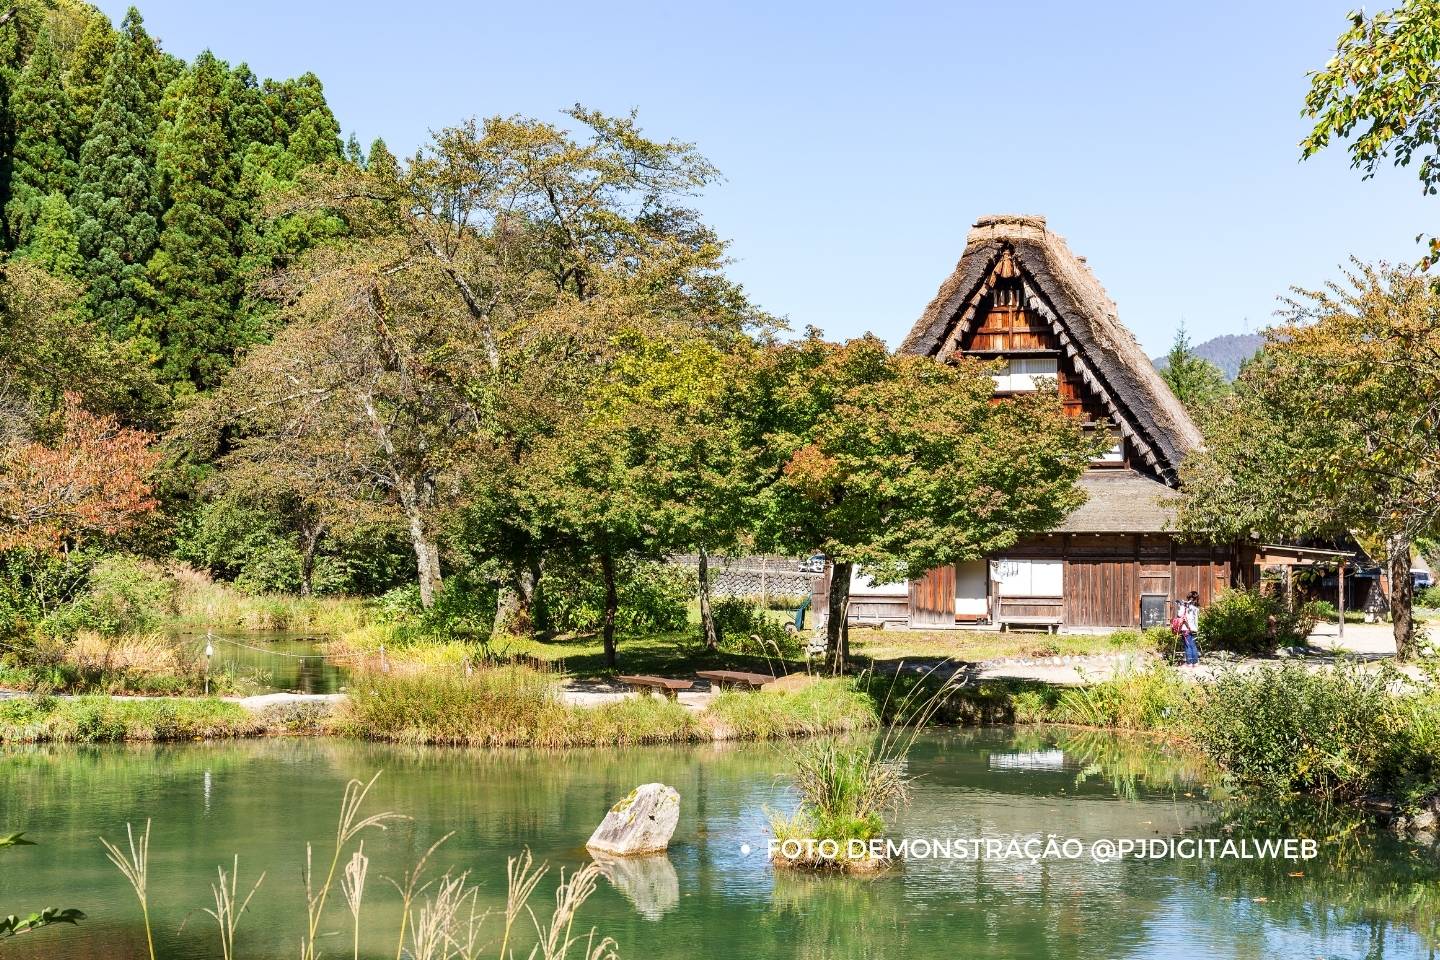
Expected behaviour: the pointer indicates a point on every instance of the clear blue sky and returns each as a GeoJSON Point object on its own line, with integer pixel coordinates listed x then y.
{"type": "Point", "coordinates": [858, 142]}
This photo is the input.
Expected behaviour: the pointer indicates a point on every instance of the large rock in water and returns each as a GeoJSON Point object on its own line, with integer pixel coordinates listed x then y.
{"type": "Point", "coordinates": [642, 822]}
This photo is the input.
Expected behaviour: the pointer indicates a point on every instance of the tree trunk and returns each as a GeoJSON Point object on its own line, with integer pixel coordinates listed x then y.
{"type": "Point", "coordinates": [515, 607]}
{"type": "Point", "coordinates": [837, 629]}
{"type": "Point", "coordinates": [708, 633]}
{"type": "Point", "coordinates": [1402, 598]}
{"type": "Point", "coordinates": [310, 536]}
{"type": "Point", "coordinates": [427, 560]}
{"type": "Point", "coordinates": [612, 604]}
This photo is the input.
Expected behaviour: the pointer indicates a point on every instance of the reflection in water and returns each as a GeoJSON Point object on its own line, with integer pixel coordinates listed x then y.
{"type": "Point", "coordinates": [270, 662]}
{"type": "Point", "coordinates": [650, 882]}
{"type": "Point", "coordinates": [264, 799]}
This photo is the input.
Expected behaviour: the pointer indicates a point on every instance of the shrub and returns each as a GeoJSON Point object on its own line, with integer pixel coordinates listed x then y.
{"type": "Point", "coordinates": [1288, 729]}
{"type": "Point", "coordinates": [122, 595]}
{"type": "Point", "coordinates": [654, 597]}
{"type": "Point", "coordinates": [1251, 622]}
{"type": "Point", "coordinates": [745, 628]}
{"type": "Point", "coordinates": [1131, 700]}
{"type": "Point", "coordinates": [1429, 598]}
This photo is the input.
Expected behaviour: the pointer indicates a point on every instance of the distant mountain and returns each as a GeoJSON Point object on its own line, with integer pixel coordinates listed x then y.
{"type": "Point", "coordinates": [1227, 352]}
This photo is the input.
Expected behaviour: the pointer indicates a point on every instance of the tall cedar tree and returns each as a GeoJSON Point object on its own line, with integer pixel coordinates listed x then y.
{"type": "Point", "coordinates": [115, 199]}
{"type": "Point", "coordinates": [1195, 381]}
{"type": "Point", "coordinates": [43, 155]}
{"type": "Point", "coordinates": [194, 273]}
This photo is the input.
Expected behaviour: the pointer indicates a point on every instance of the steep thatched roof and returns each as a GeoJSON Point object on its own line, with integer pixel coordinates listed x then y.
{"type": "Point", "coordinates": [1060, 287]}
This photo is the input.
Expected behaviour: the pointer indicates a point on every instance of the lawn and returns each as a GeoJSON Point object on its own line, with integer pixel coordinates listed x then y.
{"type": "Point", "coordinates": [680, 654]}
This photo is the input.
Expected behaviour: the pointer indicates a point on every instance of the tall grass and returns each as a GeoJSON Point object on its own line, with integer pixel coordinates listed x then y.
{"type": "Point", "coordinates": [497, 705]}
{"type": "Point", "coordinates": [847, 786]}
{"type": "Point", "coordinates": [202, 604]}
{"type": "Point", "coordinates": [440, 917]}
{"type": "Point", "coordinates": [96, 719]}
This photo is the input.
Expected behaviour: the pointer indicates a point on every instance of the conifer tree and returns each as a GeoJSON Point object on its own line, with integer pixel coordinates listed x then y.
{"type": "Point", "coordinates": [85, 76]}
{"type": "Point", "coordinates": [114, 200]}
{"type": "Point", "coordinates": [195, 271]}
{"type": "Point", "coordinates": [53, 244]}
{"type": "Point", "coordinates": [45, 140]}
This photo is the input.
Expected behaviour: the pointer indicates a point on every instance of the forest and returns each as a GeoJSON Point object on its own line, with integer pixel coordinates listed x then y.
{"type": "Point", "coordinates": [491, 384]}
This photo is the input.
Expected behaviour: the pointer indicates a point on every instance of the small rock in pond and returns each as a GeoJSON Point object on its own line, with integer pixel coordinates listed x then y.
{"type": "Point", "coordinates": [642, 822]}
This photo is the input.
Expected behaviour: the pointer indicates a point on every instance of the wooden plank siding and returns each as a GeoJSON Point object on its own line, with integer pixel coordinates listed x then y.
{"type": "Point", "coordinates": [1105, 578]}
{"type": "Point", "coordinates": [932, 599]}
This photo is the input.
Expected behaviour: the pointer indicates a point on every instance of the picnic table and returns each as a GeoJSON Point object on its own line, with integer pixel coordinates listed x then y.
{"type": "Point", "coordinates": [734, 678]}
{"type": "Point", "coordinates": [648, 683]}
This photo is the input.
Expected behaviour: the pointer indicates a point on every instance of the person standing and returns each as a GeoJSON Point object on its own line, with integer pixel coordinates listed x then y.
{"type": "Point", "coordinates": [1188, 614]}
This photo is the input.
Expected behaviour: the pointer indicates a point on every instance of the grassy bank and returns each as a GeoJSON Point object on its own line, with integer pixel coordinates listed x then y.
{"type": "Point", "coordinates": [199, 604]}
{"type": "Point", "coordinates": [98, 719]}
{"type": "Point", "coordinates": [521, 706]}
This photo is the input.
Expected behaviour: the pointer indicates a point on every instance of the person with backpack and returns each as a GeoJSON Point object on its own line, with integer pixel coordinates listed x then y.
{"type": "Point", "coordinates": [1186, 623]}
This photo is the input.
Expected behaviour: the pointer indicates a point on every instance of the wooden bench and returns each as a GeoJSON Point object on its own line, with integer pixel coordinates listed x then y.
{"type": "Point", "coordinates": [734, 678]}
{"type": "Point", "coordinates": [649, 684]}
{"type": "Point", "coordinates": [1051, 624]}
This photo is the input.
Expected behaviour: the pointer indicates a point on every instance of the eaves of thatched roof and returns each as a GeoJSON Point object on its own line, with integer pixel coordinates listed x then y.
{"type": "Point", "coordinates": [1060, 287]}
{"type": "Point", "coordinates": [1121, 501]}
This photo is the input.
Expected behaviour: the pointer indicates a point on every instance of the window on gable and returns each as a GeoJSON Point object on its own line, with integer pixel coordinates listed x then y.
{"type": "Point", "coordinates": [1021, 373]}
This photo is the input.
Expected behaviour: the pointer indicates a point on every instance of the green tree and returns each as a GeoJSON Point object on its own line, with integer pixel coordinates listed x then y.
{"type": "Point", "coordinates": [115, 202]}
{"type": "Point", "coordinates": [1380, 94]}
{"type": "Point", "coordinates": [1333, 430]}
{"type": "Point", "coordinates": [1195, 381]}
{"type": "Point", "coordinates": [53, 242]}
{"type": "Point", "coordinates": [85, 77]}
{"type": "Point", "coordinates": [194, 273]}
{"type": "Point", "coordinates": [900, 464]}
{"type": "Point", "coordinates": [45, 141]}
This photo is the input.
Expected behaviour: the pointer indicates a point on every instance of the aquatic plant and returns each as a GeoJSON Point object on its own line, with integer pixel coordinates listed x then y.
{"type": "Point", "coordinates": [440, 918]}
{"type": "Point", "coordinates": [135, 867]}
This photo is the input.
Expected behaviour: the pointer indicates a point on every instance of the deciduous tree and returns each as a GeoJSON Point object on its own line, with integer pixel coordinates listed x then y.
{"type": "Point", "coordinates": [1334, 429]}
{"type": "Point", "coordinates": [900, 464]}
{"type": "Point", "coordinates": [93, 478]}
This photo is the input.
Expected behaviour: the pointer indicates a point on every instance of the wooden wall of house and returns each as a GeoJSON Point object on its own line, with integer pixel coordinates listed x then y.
{"type": "Point", "coordinates": [1107, 575]}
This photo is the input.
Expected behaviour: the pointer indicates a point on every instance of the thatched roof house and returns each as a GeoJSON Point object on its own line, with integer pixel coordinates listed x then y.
{"type": "Point", "coordinates": [1020, 295]}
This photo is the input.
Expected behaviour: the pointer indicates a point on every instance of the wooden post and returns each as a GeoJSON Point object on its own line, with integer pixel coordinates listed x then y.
{"type": "Point", "coordinates": [1340, 598]}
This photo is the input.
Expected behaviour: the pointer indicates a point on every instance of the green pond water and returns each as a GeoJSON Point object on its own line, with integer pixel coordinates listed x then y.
{"type": "Point", "coordinates": [268, 662]}
{"type": "Point", "coordinates": [1365, 896]}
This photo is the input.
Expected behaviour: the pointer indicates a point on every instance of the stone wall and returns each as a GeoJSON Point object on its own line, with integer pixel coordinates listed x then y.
{"type": "Point", "coordinates": [753, 576]}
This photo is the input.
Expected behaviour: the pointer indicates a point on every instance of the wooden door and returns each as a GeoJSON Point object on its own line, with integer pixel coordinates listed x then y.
{"type": "Point", "coordinates": [932, 599]}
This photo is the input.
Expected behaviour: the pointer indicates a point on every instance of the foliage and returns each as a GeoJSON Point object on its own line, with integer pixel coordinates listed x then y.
{"type": "Point", "coordinates": [1333, 431]}
{"type": "Point", "coordinates": [653, 597]}
{"type": "Point", "coordinates": [1428, 598]}
{"type": "Point", "coordinates": [1378, 94]}
{"type": "Point", "coordinates": [1196, 382]}
{"type": "Point", "coordinates": [12, 925]}
{"type": "Point", "coordinates": [1135, 699]}
{"type": "Point", "coordinates": [901, 464]}
{"type": "Point", "coordinates": [122, 595]}
{"type": "Point", "coordinates": [1251, 621]}
{"type": "Point", "coordinates": [744, 627]}
{"type": "Point", "coordinates": [93, 480]}
{"type": "Point", "coordinates": [1290, 729]}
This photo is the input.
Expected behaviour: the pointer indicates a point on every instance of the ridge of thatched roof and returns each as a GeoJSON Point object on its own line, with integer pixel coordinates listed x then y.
{"type": "Point", "coordinates": [1060, 287]}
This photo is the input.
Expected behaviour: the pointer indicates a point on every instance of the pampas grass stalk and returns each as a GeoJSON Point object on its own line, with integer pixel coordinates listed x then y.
{"type": "Point", "coordinates": [136, 869]}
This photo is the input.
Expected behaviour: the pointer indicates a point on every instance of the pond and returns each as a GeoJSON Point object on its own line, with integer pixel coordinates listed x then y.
{"type": "Point", "coordinates": [1364, 896]}
{"type": "Point", "coordinates": [271, 662]}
